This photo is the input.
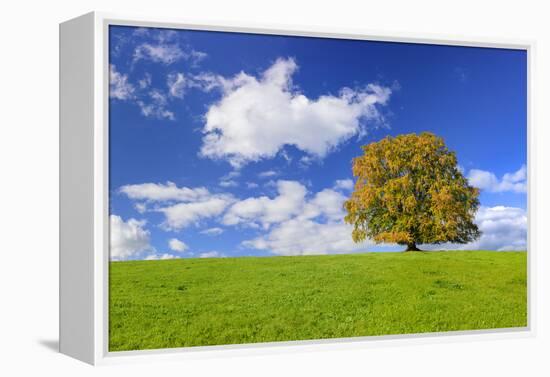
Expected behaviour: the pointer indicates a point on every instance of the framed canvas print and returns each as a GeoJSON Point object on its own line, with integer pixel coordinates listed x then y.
{"type": "Point", "coordinates": [224, 187]}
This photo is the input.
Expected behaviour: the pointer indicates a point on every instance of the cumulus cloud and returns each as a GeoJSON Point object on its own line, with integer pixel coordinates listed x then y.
{"type": "Point", "coordinates": [485, 180]}
{"type": "Point", "coordinates": [211, 254]}
{"type": "Point", "coordinates": [161, 256]}
{"type": "Point", "coordinates": [284, 154]}
{"type": "Point", "coordinates": [264, 211]}
{"type": "Point", "coordinates": [343, 184]}
{"type": "Point", "coordinates": [503, 229]}
{"type": "Point", "coordinates": [327, 203]}
{"type": "Point", "coordinates": [228, 180]}
{"type": "Point", "coordinates": [267, 174]}
{"type": "Point", "coordinates": [298, 223]}
{"type": "Point", "coordinates": [306, 161]}
{"type": "Point", "coordinates": [212, 231]}
{"type": "Point", "coordinates": [176, 245]}
{"type": "Point", "coordinates": [181, 215]}
{"type": "Point", "coordinates": [257, 117]}
{"type": "Point", "coordinates": [313, 226]}
{"type": "Point", "coordinates": [229, 183]}
{"type": "Point", "coordinates": [119, 86]}
{"type": "Point", "coordinates": [163, 192]}
{"type": "Point", "coordinates": [181, 206]}
{"type": "Point", "coordinates": [141, 207]}
{"type": "Point", "coordinates": [128, 238]}
{"type": "Point", "coordinates": [307, 237]}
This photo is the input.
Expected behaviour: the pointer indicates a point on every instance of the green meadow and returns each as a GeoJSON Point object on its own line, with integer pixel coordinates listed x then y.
{"type": "Point", "coordinates": [200, 302]}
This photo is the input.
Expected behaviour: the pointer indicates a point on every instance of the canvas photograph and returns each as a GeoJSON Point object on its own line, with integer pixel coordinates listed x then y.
{"type": "Point", "coordinates": [274, 188]}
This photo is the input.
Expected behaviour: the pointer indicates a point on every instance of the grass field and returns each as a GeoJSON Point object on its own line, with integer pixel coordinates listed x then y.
{"type": "Point", "coordinates": [196, 302]}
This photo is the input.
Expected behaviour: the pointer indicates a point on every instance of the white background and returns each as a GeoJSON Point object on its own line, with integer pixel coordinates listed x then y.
{"type": "Point", "coordinates": [29, 185]}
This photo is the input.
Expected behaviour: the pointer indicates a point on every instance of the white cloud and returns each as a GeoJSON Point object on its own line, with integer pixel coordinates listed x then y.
{"type": "Point", "coordinates": [267, 174]}
{"type": "Point", "coordinates": [162, 47]}
{"type": "Point", "coordinates": [117, 43]}
{"type": "Point", "coordinates": [176, 245]}
{"type": "Point", "coordinates": [156, 106]}
{"type": "Point", "coordinates": [485, 180]}
{"type": "Point", "coordinates": [305, 161]}
{"type": "Point", "coordinates": [140, 207]}
{"type": "Point", "coordinates": [228, 180]}
{"type": "Point", "coordinates": [207, 82]}
{"type": "Point", "coordinates": [212, 231]}
{"type": "Point", "coordinates": [152, 103]}
{"type": "Point", "coordinates": [211, 254]}
{"type": "Point", "coordinates": [184, 206]}
{"type": "Point", "coordinates": [140, 32]}
{"type": "Point", "coordinates": [164, 192]}
{"type": "Point", "coordinates": [319, 229]}
{"type": "Point", "coordinates": [252, 185]}
{"type": "Point", "coordinates": [145, 82]}
{"type": "Point", "coordinates": [265, 211]}
{"type": "Point", "coordinates": [181, 215]}
{"type": "Point", "coordinates": [257, 117]}
{"type": "Point", "coordinates": [343, 184]}
{"type": "Point", "coordinates": [297, 225]}
{"type": "Point", "coordinates": [128, 238]}
{"type": "Point", "coordinates": [176, 84]}
{"type": "Point", "coordinates": [315, 226]}
{"type": "Point", "coordinates": [197, 56]}
{"type": "Point", "coordinates": [291, 202]}
{"type": "Point", "coordinates": [327, 203]}
{"type": "Point", "coordinates": [284, 154]}
{"type": "Point", "coordinates": [306, 237]}
{"type": "Point", "coordinates": [161, 256]}
{"type": "Point", "coordinates": [159, 46]}
{"type": "Point", "coordinates": [119, 87]}
{"type": "Point", "coordinates": [229, 183]}
{"type": "Point", "coordinates": [159, 53]}
{"type": "Point", "coordinates": [503, 228]}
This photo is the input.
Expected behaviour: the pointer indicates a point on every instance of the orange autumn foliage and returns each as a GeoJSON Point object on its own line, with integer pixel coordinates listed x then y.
{"type": "Point", "coordinates": [410, 191]}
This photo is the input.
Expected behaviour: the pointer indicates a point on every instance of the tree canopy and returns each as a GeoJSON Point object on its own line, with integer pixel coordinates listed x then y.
{"type": "Point", "coordinates": [409, 190]}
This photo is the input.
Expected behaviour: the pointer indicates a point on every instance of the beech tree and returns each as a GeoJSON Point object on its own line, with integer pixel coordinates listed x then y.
{"type": "Point", "coordinates": [410, 191]}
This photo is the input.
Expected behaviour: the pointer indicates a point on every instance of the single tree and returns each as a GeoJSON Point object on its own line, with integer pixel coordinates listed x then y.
{"type": "Point", "coordinates": [410, 191]}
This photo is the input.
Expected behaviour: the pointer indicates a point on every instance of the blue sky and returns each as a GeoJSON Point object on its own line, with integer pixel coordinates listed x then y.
{"type": "Point", "coordinates": [231, 144]}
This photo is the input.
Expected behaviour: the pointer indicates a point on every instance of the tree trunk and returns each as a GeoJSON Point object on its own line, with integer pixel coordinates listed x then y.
{"type": "Point", "coordinates": [411, 246]}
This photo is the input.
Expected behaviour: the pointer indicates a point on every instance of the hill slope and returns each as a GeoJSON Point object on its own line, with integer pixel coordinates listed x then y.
{"type": "Point", "coordinates": [193, 302]}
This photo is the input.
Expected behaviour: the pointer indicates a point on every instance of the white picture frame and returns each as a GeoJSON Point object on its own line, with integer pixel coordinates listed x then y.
{"type": "Point", "coordinates": [84, 234]}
